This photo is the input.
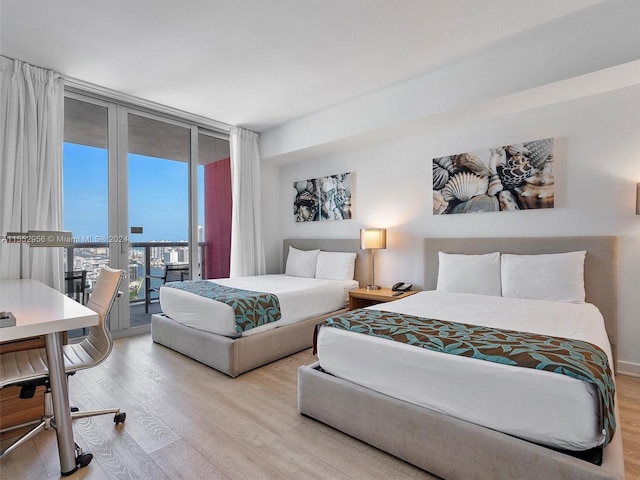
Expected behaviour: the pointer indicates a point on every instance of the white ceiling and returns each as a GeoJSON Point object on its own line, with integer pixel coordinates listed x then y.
{"type": "Point", "coordinates": [259, 63]}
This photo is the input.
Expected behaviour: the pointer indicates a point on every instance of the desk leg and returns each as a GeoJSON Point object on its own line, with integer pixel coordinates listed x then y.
{"type": "Point", "coordinates": [61, 409]}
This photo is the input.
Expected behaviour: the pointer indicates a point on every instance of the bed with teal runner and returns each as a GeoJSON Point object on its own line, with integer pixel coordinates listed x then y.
{"type": "Point", "coordinates": [574, 358]}
{"type": "Point", "coordinates": [251, 309]}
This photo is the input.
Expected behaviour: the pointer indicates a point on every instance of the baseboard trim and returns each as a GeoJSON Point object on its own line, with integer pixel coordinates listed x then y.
{"type": "Point", "coordinates": [628, 368]}
{"type": "Point", "coordinates": [130, 332]}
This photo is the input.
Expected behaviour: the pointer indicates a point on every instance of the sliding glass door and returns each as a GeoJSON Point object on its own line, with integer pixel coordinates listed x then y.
{"type": "Point", "coordinates": [158, 173]}
{"type": "Point", "coordinates": [85, 194]}
{"type": "Point", "coordinates": [137, 197]}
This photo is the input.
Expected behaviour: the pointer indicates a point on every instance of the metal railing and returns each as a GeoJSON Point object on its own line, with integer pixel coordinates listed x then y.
{"type": "Point", "coordinates": [93, 261]}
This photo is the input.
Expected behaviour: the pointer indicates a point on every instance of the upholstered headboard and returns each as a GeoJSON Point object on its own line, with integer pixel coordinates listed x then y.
{"type": "Point", "coordinates": [363, 265]}
{"type": "Point", "coordinates": [600, 268]}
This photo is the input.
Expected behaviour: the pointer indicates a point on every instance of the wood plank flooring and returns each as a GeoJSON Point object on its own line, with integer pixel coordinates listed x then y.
{"type": "Point", "coordinates": [629, 403]}
{"type": "Point", "coordinates": [185, 420]}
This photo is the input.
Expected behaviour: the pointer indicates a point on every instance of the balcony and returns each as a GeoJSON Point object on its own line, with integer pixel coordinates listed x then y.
{"type": "Point", "coordinates": [147, 262]}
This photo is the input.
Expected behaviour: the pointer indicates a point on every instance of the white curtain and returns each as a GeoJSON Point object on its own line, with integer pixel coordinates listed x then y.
{"type": "Point", "coordinates": [31, 136]}
{"type": "Point", "coordinates": [247, 248]}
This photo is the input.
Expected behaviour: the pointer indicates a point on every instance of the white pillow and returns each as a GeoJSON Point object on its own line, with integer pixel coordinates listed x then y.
{"type": "Point", "coordinates": [558, 277]}
{"type": "Point", "coordinates": [301, 263]}
{"type": "Point", "coordinates": [479, 274]}
{"type": "Point", "coordinates": [336, 265]}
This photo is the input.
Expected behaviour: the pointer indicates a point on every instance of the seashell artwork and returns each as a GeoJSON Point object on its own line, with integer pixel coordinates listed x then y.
{"type": "Point", "coordinates": [324, 198]}
{"type": "Point", "coordinates": [497, 159]}
{"type": "Point", "coordinates": [539, 151]}
{"type": "Point", "coordinates": [440, 177]}
{"type": "Point", "coordinates": [515, 171]}
{"type": "Point", "coordinates": [446, 163]}
{"type": "Point", "coordinates": [472, 163]}
{"type": "Point", "coordinates": [540, 179]}
{"type": "Point", "coordinates": [305, 206]}
{"type": "Point", "coordinates": [535, 196]}
{"type": "Point", "coordinates": [439, 203]}
{"type": "Point", "coordinates": [507, 201]}
{"type": "Point", "coordinates": [479, 203]}
{"type": "Point", "coordinates": [300, 186]}
{"type": "Point", "coordinates": [495, 185]}
{"type": "Point", "coordinates": [512, 177]}
{"type": "Point", "coordinates": [463, 186]}
{"type": "Point", "coordinates": [517, 149]}
{"type": "Point", "coordinates": [544, 176]}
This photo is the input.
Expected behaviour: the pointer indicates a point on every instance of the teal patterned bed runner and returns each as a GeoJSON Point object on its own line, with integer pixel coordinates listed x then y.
{"type": "Point", "coordinates": [574, 358]}
{"type": "Point", "coordinates": [251, 309]}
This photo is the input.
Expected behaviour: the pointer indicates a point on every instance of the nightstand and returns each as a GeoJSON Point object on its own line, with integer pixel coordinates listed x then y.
{"type": "Point", "coordinates": [362, 297]}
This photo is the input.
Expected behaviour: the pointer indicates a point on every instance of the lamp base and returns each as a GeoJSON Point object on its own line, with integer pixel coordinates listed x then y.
{"type": "Point", "coordinates": [373, 287]}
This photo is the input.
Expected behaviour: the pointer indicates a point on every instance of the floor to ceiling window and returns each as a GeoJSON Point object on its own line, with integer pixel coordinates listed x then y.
{"type": "Point", "coordinates": [158, 208]}
{"type": "Point", "coordinates": [85, 187]}
{"type": "Point", "coordinates": [137, 197]}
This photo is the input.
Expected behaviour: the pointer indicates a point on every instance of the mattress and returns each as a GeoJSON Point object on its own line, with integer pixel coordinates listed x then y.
{"type": "Point", "coordinates": [300, 299]}
{"type": "Point", "coordinates": [543, 407]}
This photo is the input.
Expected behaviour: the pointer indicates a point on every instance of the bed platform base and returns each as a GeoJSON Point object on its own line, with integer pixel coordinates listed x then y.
{"type": "Point", "coordinates": [234, 356]}
{"type": "Point", "coordinates": [440, 444]}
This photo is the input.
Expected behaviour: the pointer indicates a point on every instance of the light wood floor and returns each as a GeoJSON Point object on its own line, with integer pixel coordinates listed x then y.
{"type": "Point", "coordinates": [185, 420]}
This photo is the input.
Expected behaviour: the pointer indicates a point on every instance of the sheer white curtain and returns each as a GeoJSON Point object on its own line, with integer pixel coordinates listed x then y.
{"type": "Point", "coordinates": [31, 136]}
{"type": "Point", "coordinates": [247, 248]}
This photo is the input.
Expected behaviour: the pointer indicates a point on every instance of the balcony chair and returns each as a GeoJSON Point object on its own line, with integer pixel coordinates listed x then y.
{"type": "Point", "coordinates": [75, 283]}
{"type": "Point", "coordinates": [173, 272]}
{"type": "Point", "coordinates": [28, 368]}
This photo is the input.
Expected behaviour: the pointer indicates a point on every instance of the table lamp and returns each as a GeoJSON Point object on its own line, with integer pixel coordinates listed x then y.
{"type": "Point", "coordinates": [373, 239]}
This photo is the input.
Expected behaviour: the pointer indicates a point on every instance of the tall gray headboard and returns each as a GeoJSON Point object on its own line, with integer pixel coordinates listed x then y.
{"type": "Point", "coordinates": [600, 268]}
{"type": "Point", "coordinates": [363, 265]}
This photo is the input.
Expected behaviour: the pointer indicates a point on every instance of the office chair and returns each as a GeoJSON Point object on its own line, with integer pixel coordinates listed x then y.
{"type": "Point", "coordinates": [28, 368]}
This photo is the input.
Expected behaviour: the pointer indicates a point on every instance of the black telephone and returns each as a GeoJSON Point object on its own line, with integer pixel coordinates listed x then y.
{"type": "Point", "coordinates": [401, 287]}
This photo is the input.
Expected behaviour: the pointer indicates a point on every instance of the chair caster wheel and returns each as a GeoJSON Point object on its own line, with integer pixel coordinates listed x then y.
{"type": "Point", "coordinates": [120, 417]}
{"type": "Point", "coordinates": [84, 459]}
{"type": "Point", "coordinates": [75, 409]}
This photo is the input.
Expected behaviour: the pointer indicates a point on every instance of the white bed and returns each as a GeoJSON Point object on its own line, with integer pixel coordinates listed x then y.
{"type": "Point", "coordinates": [465, 428]}
{"type": "Point", "coordinates": [205, 329]}
{"type": "Point", "coordinates": [543, 407]}
{"type": "Point", "coordinates": [300, 299]}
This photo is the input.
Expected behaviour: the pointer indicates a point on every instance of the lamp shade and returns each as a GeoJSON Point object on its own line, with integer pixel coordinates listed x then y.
{"type": "Point", "coordinates": [373, 238]}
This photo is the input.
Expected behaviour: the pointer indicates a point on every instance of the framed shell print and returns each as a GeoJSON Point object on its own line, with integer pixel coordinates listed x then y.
{"type": "Point", "coordinates": [322, 199]}
{"type": "Point", "coordinates": [506, 178]}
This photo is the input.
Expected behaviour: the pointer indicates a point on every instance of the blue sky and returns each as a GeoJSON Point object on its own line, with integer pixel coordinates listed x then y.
{"type": "Point", "coordinates": [158, 198]}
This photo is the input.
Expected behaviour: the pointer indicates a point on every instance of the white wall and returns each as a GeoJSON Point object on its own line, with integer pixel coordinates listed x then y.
{"type": "Point", "coordinates": [593, 51]}
{"type": "Point", "coordinates": [576, 80]}
{"type": "Point", "coordinates": [597, 168]}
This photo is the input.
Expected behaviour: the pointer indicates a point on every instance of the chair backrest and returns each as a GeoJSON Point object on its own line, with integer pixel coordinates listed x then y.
{"type": "Point", "coordinates": [176, 272]}
{"type": "Point", "coordinates": [98, 343]}
{"type": "Point", "coordinates": [75, 283]}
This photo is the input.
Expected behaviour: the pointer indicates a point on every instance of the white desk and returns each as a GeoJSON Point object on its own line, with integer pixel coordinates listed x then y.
{"type": "Point", "coordinates": [41, 310]}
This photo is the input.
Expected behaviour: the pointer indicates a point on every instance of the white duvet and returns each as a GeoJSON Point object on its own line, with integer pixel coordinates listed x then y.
{"type": "Point", "coordinates": [300, 299]}
{"type": "Point", "coordinates": [543, 407]}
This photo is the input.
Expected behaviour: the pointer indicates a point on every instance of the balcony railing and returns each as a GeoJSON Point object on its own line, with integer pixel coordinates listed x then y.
{"type": "Point", "coordinates": [141, 265]}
